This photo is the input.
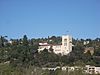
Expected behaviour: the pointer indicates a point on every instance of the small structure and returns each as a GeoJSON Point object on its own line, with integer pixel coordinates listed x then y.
{"type": "Point", "coordinates": [51, 68]}
{"type": "Point", "coordinates": [92, 69]}
{"type": "Point", "coordinates": [90, 49]}
{"type": "Point", "coordinates": [86, 42]}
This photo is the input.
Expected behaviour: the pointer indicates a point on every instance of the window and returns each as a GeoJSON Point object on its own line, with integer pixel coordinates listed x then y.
{"type": "Point", "coordinates": [65, 40]}
{"type": "Point", "coordinates": [58, 46]}
{"type": "Point", "coordinates": [65, 44]}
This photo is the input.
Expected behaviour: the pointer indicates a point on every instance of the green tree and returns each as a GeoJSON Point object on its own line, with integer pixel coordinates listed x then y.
{"type": "Point", "coordinates": [25, 40]}
{"type": "Point", "coordinates": [3, 41]}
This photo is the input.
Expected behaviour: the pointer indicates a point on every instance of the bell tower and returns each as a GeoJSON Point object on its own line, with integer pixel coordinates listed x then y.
{"type": "Point", "coordinates": [66, 44]}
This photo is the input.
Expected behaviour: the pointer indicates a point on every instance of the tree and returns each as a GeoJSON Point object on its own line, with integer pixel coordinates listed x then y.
{"type": "Point", "coordinates": [97, 52]}
{"type": "Point", "coordinates": [3, 40]}
{"type": "Point", "coordinates": [25, 40]}
{"type": "Point", "coordinates": [51, 49]}
{"type": "Point", "coordinates": [87, 57]}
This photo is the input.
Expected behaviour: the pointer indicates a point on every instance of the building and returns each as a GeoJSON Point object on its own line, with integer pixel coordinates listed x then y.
{"type": "Point", "coordinates": [92, 69]}
{"type": "Point", "coordinates": [86, 42]}
{"type": "Point", "coordinates": [63, 49]}
{"type": "Point", "coordinates": [86, 69]}
{"type": "Point", "coordinates": [90, 49]}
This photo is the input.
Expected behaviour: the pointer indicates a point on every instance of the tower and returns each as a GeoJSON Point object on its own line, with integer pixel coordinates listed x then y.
{"type": "Point", "coordinates": [66, 44]}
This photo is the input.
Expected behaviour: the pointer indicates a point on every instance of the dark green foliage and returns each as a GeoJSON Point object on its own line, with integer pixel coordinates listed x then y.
{"type": "Point", "coordinates": [3, 41]}
{"type": "Point", "coordinates": [23, 53]}
{"type": "Point", "coordinates": [25, 40]}
{"type": "Point", "coordinates": [46, 59]}
{"type": "Point", "coordinates": [54, 40]}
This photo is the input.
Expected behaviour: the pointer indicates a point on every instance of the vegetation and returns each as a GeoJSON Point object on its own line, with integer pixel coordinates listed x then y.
{"type": "Point", "coordinates": [22, 58]}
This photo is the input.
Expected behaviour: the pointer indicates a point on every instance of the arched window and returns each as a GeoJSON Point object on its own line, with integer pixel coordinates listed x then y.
{"type": "Point", "coordinates": [65, 42]}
